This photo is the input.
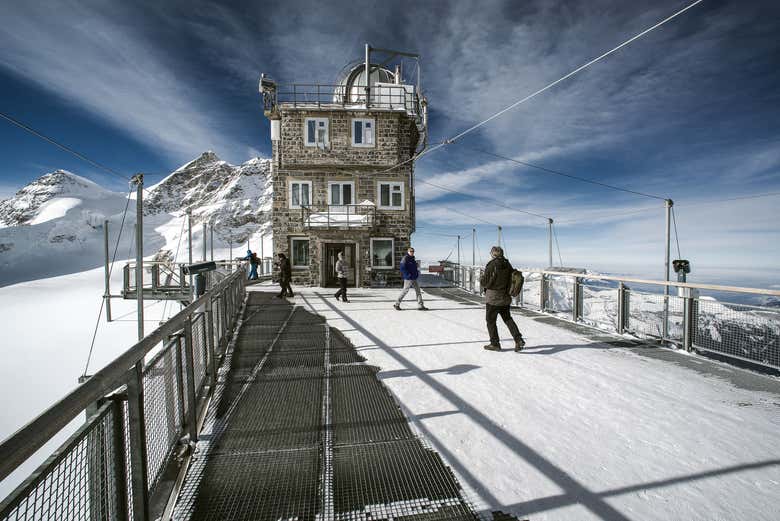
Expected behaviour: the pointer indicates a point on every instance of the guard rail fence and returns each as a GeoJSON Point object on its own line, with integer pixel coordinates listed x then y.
{"type": "Point", "coordinates": [143, 410]}
{"type": "Point", "coordinates": [683, 318]}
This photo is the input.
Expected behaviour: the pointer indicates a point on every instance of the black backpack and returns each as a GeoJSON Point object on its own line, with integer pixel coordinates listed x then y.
{"type": "Point", "coordinates": [516, 284]}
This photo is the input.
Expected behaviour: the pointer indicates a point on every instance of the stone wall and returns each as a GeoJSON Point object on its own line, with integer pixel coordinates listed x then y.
{"type": "Point", "coordinates": [395, 136]}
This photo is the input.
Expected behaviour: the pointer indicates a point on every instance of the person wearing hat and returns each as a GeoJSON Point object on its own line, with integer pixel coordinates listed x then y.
{"type": "Point", "coordinates": [410, 273]}
{"type": "Point", "coordinates": [496, 281]}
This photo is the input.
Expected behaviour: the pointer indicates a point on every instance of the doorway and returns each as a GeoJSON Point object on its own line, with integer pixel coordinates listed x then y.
{"type": "Point", "coordinates": [330, 253]}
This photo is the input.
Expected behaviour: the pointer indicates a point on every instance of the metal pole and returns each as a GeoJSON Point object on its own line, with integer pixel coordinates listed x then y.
{"type": "Point", "coordinates": [669, 204]}
{"type": "Point", "coordinates": [499, 236]}
{"type": "Point", "coordinates": [189, 241]}
{"type": "Point", "coordinates": [205, 240]}
{"type": "Point", "coordinates": [211, 240]}
{"type": "Point", "coordinates": [139, 253]}
{"type": "Point", "coordinates": [368, 75]}
{"type": "Point", "coordinates": [262, 255]}
{"type": "Point", "coordinates": [473, 246]}
{"type": "Point", "coordinates": [457, 281]}
{"type": "Point", "coordinates": [107, 291]}
{"type": "Point", "coordinates": [230, 245]}
{"type": "Point", "coordinates": [137, 436]}
{"type": "Point", "coordinates": [549, 242]}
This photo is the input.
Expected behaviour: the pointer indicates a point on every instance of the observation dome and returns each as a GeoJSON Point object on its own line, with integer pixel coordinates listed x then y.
{"type": "Point", "coordinates": [352, 85]}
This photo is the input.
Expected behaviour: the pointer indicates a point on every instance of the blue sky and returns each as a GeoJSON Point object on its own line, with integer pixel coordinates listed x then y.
{"type": "Point", "coordinates": [690, 112]}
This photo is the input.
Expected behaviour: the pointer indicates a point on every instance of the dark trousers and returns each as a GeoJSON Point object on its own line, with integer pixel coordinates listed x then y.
{"type": "Point", "coordinates": [286, 289]}
{"type": "Point", "coordinates": [342, 292]}
{"type": "Point", "coordinates": [491, 313]}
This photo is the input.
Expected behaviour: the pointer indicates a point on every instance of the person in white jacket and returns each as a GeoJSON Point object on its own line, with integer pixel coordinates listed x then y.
{"type": "Point", "coordinates": [341, 273]}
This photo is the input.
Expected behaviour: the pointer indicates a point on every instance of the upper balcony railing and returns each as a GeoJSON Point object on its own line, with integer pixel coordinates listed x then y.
{"type": "Point", "coordinates": [339, 216]}
{"type": "Point", "coordinates": [384, 96]}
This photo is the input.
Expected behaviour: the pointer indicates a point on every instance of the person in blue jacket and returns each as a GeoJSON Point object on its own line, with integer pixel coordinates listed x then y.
{"type": "Point", "coordinates": [253, 262]}
{"type": "Point", "coordinates": [410, 273]}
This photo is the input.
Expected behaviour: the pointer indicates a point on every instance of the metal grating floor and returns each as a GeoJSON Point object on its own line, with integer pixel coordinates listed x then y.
{"type": "Point", "coordinates": [300, 429]}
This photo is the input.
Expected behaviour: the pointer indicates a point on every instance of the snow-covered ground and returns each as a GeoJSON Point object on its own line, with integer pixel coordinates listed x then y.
{"type": "Point", "coordinates": [569, 429]}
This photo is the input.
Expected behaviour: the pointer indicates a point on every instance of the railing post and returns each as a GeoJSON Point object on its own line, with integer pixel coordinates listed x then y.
{"type": "Point", "coordinates": [577, 301]}
{"type": "Point", "coordinates": [621, 311]}
{"type": "Point", "coordinates": [543, 293]}
{"type": "Point", "coordinates": [689, 320]}
{"type": "Point", "coordinates": [137, 435]}
{"type": "Point", "coordinates": [189, 365]}
{"type": "Point", "coordinates": [179, 378]}
{"type": "Point", "coordinates": [119, 464]}
{"type": "Point", "coordinates": [212, 368]}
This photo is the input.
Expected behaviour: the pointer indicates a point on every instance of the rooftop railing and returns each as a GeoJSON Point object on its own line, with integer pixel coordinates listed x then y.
{"type": "Point", "coordinates": [143, 410]}
{"type": "Point", "coordinates": [384, 96]}
{"type": "Point", "coordinates": [638, 307]}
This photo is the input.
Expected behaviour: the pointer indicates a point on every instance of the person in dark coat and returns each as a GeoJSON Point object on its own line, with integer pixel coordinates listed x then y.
{"type": "Point", "coordinates": [341, 273]}
{"type": "Point", "coordinates": [285, 276]}
{"type": "Point", "coordinates": [253, 262]}
{"type": "Point", "coordinates": [496, 281]}
{"type": "Point", "coordinates": [410, 273]}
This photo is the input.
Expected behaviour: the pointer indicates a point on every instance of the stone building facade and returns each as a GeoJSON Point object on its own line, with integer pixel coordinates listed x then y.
{"type": "Point", "coordinates": [338, 187]}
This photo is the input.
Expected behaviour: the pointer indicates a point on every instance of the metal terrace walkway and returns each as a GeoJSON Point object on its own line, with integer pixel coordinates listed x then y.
{"type": "Point", "coordinates": [300, 429]}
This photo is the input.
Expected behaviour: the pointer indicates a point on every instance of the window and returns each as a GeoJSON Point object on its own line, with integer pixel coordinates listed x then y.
{"type": "Point", "coordinates": [382, 253]}
{"type": "Point", "coordinates": [316, 132]}
{"type": "Point", "coordinates": [300, 252]}
{"type": "Point", "coordinates": [391, 196]}
{"type": "Point", "coordinates": [300, 193]}
{"type": "Point", "coordinates": [362, 132]}
{"type": "Point", "coordinates": [340, 193]}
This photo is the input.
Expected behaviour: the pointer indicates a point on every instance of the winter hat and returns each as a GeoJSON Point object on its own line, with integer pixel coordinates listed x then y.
{"type": "Point", "coordinates": [341, 255]}
{"type": "Point", "coordinates": [496, 251]}
{"type": "Point", "coordinates": [249, 252]}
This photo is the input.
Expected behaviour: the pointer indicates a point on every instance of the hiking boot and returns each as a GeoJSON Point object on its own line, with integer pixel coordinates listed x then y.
{"type": "Point", "coordinates": [338, 297]}
{"type": "Point", "coordinates": [397, 306]}
{"type": "Point", "coordinates": [519, 344]}
{"type": "Point", "coordinates": [345, 300]}
{"type": "Point", "coordinates": [422, 308]}
{"type": "Point", "coordinates": [491, 347]}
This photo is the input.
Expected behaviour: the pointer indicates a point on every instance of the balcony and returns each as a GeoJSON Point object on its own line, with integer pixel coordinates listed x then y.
{"type": "Point", "coordinates": [384, 96]}
{"type": "Point", "coordinates": [339, 216]}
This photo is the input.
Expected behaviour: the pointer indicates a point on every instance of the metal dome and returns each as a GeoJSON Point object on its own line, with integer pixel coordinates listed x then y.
{"type": "Point", "coordinates": [352, 85]}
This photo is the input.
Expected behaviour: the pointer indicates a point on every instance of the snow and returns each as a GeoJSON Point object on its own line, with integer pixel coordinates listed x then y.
{"type": "Point", "coordinates": [54, 209]}
{"type": "Point", "coordinates": [569, 429]}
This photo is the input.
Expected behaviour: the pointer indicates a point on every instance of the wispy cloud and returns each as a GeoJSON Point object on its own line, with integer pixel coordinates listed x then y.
{"type": "Point", "coordinates": [91, 55]}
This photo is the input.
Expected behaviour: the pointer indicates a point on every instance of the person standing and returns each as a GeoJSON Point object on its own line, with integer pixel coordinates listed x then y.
{"type": "Point", "coordinates": [253, 262]}
{"type": "Point", "coordinates": [341, 273]}
{"type": "Point", "coordinates": [410, 273]}
{"type": "Point", "coordinates": [496, 282]}
{"type": "Point", "coordinates": [285, 276]}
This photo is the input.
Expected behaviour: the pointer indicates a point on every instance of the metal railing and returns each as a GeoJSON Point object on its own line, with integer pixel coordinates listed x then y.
{"type": "Point", "coordinates": [684, 318]}
{"type": "Point", "coordinates": [167, 280]}
{"type": "Point", "coordinates": [143, 411]}
{"type": "Point", "coordinates": [383, 96]}
{"type": "Point", "coordinates": [339, 216]}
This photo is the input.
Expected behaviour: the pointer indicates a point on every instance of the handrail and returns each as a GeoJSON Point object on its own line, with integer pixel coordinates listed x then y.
{"type": "Point", "coordinates": [18, 447]}
{"type": "Point", "coordinates": [714, 287]}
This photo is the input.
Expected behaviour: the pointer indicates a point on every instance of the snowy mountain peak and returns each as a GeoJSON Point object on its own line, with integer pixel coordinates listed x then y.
{"type": "Point", "coordinates": [205, 159]}
{"type": "Point", "coordinates": [24, 207]}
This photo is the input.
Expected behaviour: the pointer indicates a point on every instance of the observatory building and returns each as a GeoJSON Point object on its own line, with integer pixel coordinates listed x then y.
{"type": "Point", "coordinates": [343, 174]}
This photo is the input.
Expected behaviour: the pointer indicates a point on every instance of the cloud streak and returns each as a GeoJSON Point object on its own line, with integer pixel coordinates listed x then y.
{"type": "Point", "coordinates": [95, 58]}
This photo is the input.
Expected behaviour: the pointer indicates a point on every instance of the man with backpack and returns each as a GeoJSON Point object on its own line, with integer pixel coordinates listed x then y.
{"type": "Point", "coordinates": [410, 273]}
{"type": "Point", "coordinates": [253, 262]}
{"type": "Point", "coordinates": [500, 280]}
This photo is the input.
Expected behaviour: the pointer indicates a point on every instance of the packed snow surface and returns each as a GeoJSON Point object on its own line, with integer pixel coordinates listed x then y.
{"type": "Point", "coordinates": [569, 429]}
